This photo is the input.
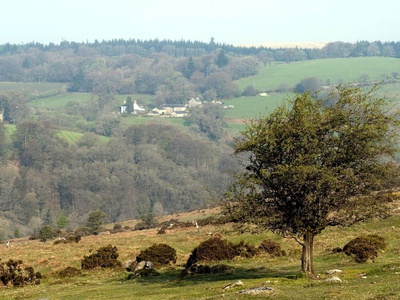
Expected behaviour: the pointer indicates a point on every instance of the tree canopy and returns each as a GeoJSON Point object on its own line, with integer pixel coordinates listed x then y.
{"type": "Point", "coordinates": [315, 163]}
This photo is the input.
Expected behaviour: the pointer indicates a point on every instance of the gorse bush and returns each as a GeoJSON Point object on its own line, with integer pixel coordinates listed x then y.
{"type": "Point", "coordinates": [216, 249]}
{"type": "Point", "coordinates": [13, 273]}
{"type": "Point", "coordinates": [106, 257]}
{"type": "Point", "coordinates": [245, 250]}
{"type": "Point", "coordinates": [158, 254]}
{"type": "Point", "coordinates": [364, 247]}
{"type": "Point", "coordinates": [69, 238]}
{"type": "Point", "coordinates": [213, 249]}
{"type": "Point", "coordinates": [272, 248]}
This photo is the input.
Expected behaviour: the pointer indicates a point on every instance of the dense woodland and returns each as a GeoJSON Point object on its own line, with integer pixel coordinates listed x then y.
{"type": "Point", "coordinates": [148, 169]}
{"type": "Point", "coordinates": [151, 169]}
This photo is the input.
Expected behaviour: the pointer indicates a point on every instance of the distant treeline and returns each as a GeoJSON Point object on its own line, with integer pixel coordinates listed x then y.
{"type": "Point", "coordinates": [117, 47]}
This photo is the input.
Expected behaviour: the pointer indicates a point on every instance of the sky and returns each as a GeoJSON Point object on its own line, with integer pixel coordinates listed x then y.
{"type": "Point", "coordinates": [237, 22]}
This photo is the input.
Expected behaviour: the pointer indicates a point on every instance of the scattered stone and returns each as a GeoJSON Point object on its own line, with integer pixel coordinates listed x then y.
{"type": "Point", "coordinates": [143, 265]}
{"type": "Point", "coordinates": [143, 269]}
{"type": "Point", "coordinates": [143, 273]}
{"type": "Point", "coordinates": [129, 265]}
{"type": "Point", "coordinates": [333, 279]}
{"type": "Point", "coordinates": [256, 291]}
{"type": "Point", "coordinates": [333, 271]}
{"type": "Point", "coordinates": [237, 283]}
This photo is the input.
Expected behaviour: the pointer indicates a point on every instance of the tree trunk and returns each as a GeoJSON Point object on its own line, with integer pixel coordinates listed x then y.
{"type": "Point", "coordinates": [307, 254]}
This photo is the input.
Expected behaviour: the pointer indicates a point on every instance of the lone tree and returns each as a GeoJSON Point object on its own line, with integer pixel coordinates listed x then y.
{"type": "Point", "coordinates": [316, 163]}
{"type": "Point", "coordinates": [95, 221]}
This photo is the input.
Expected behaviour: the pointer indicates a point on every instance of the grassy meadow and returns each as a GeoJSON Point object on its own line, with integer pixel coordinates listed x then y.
{"type": "Point", "coordinates": [373, 280]}
{"type": "Point", "coordinates": [32, 88]}
{"type": "Point", "coordinates": [334, 71]}
{"type": "Point", "coordinates": [59, 101]}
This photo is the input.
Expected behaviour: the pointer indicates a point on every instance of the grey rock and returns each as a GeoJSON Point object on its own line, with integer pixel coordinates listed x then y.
{"type": "Point", "coordinates": [333, 279]}
{"type": "Point", "coordinates": [334, 271]}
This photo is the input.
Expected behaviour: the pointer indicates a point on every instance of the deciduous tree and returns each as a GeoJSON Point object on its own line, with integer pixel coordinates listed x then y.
{"type": "Point", "coordinates": [316, 163]}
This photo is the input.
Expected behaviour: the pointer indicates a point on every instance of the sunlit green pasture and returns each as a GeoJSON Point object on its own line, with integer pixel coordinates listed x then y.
{"type": "Point", "coordinates": [31, 87]}
{"type": "Point", "coordinates": [329, 71]}
{"type": "Point", "coordinates": [59, 101]}
{"type": "Point", "coordinates": [253, 107]}
{"type": "Point", "coordinates": [70, 136]}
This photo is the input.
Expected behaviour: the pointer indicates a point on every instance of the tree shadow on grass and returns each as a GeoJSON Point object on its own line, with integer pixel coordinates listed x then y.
{"type": "Point", "coordinates": [175, 277]}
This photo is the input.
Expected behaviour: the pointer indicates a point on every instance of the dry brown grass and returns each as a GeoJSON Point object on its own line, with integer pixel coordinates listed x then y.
{"type": "Point", "coordinates": [49, 258]}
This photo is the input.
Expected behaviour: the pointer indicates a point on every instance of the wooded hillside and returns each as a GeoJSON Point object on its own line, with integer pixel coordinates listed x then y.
{"type": "Point", "coordinates": [128, 166]}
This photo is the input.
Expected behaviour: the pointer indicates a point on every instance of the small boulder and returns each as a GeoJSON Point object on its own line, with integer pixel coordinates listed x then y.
{"type": "Point", "coordinates": [333, 279]}
{"type": "Point", "coordinates": [333, 271]}
{"type": "Point", "coordinates": [143, 265]}
{"type": "Point", "coordinates": [237, 283]}
{"type": "Point", "coordinates": [129, 265]}
{"type": "Point", "coordinates": [256, 291]}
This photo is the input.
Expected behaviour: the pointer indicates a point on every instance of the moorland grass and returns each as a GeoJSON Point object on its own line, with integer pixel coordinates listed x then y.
{"type": "Point", "coordinates": [373, 280]}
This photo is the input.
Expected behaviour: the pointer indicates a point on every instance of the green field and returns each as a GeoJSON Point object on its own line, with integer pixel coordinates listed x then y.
{"type": "Point", "coordinates": [70, 136]}
{"type": "Point", "coordinates": [59, 101]}
{"type": "Point", "coordinates": [252, 107]}
{"type": "Point", "coordinates": [31, 87]}
{"type": "Point", "coordinates": [335, 71]}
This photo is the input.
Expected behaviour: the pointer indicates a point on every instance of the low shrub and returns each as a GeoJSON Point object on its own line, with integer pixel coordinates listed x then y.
{"type": "Point", "coordinates": [82, 231]}
{"type": "Point", "coordinates": [106, 257]}
{"type": "Point", "coordinates": [141, 226]}
{"type": "Point", "coordinates": [364, 247]}
{"type": "Point", "coordinates": [245, 250]}
{"type": "Point", "coordinates": [117, 227]}
{"type": "Point", "coordinates": [69, 272]}
{"type": "Point", "coordinates": [272, 248]}
{"type": "Point", "coordinates": [213, 249]}
{"type": "Point", "coordinates": [13, 273]}
{"type": "Point", "coordinates": [158, 254]}
{"type": "Point", "coordinates": [69, 238]}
